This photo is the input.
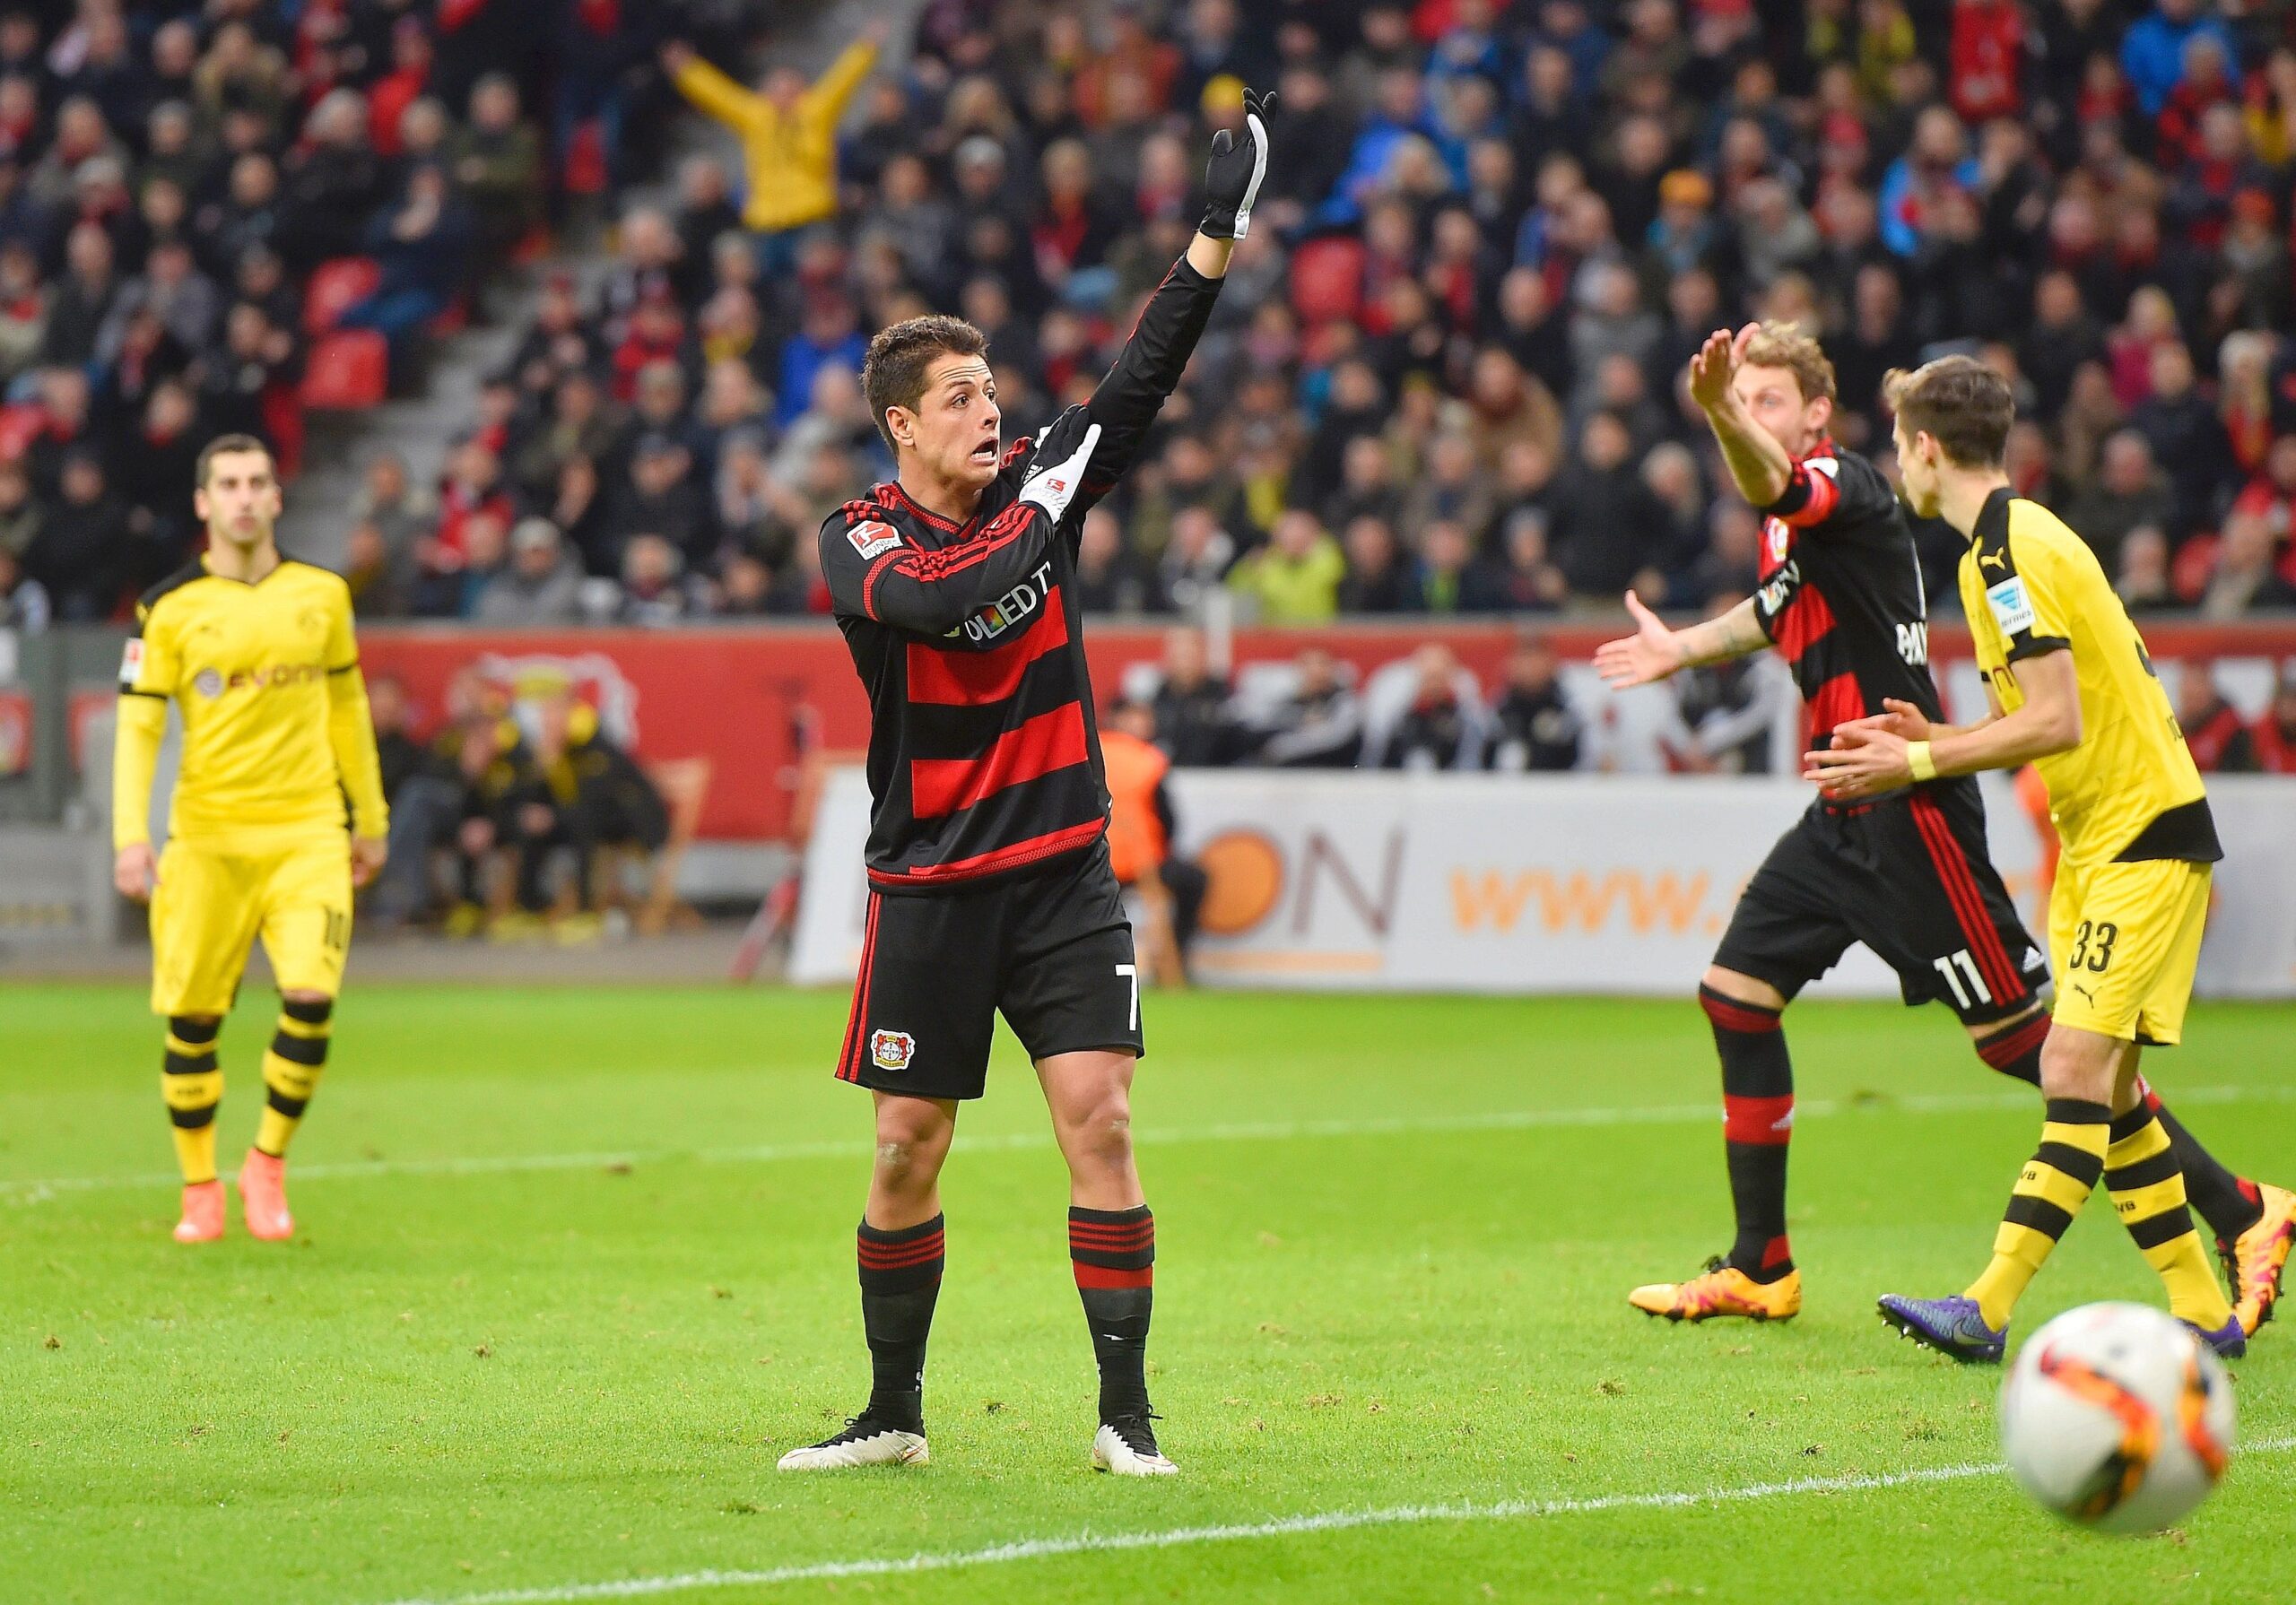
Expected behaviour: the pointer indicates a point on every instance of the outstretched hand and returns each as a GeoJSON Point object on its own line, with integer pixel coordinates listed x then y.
{"type": "Point", "coordinates": [1232, 177]}
{"type": "Point", "coordinates": [1717, 364]}
{"type": "Point", "coordinates": [1651, 653]}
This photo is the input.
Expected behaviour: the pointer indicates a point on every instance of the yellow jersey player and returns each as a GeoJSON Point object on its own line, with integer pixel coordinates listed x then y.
{"type": "Point", "coordinates": [256, 652]}
{"type": "Point", "coordinates": [2074, 693]}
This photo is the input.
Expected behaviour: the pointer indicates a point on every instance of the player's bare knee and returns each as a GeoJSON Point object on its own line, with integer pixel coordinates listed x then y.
{"type": "Point", "coordinates": [1742, 988]}
{"type": "Point", "coordinates": [2079, 1064]}
{"type": "Point", "coordinates": [1101, 1133]}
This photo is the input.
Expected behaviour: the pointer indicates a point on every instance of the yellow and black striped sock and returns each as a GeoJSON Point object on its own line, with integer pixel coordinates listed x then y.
{"type": "Point", "coordinates": [2056, 1182]}
{"type": "Point", "coordinates": [193, 1085]}
{"type": "Point", "coordinates": [2148, 1194]}
{"type": "Point", "coordinates": [290, 1073]}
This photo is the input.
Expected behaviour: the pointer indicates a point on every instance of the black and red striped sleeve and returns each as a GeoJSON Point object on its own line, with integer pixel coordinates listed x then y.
{"type": "Point", "coordinates": [1147, 372]}
{"type": "Point", "coordinates": [875, 573]}
{"type": "Point", "coordinates": [1832, 485]}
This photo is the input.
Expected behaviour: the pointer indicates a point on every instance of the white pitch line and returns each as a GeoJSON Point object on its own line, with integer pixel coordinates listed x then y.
{"type": "Point", "coordinates": [37, 1189]}
{"type": "Point", "coordinates": [1335, 1521]}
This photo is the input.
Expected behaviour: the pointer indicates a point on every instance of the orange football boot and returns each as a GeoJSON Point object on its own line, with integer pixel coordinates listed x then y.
{"type": "Point", "coordinates": [1721, 1290]}
{"type": "Point", "coordinates": [263, 1197]}
{"type": "Point", "coordinates": [2256, 1259]}
{"type": "Point", "coordinates": [202, 1212]}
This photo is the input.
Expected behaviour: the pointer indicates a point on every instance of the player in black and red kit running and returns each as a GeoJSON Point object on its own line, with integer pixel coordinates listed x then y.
{"type": "Point", "coordinates": [1908, 874]}
{"type": "Point", "coordinates": [990, 885]}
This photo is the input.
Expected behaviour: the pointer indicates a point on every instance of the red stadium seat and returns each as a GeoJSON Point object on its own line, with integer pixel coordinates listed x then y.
{"type": "Point", "coordinates": [282, 424]}
{"type": "Point", "coordinates": [349, 369]}
{"type": "Point", "coordinates": [584, 172]}
{"type": "Point", "coordinates": [19, 426]}
{"type": "Point", "coordinates": [336, 288]}
{"type": "Point", "coordinates": [1327, 280]}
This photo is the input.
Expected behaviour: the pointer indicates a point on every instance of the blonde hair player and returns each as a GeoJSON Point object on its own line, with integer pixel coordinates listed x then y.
{"type": "Point", "coordinates": [2072, 691]}
{"type": "Point", "coordinates": [255, 650]}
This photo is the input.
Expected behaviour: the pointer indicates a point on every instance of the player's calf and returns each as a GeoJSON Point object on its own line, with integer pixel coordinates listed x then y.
{"type": "Point", "coordinates": [191, 1083]}
{"type": "Point", "coordinates": [900, 1282]}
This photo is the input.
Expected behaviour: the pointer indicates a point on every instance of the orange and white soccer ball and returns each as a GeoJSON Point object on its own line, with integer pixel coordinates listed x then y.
{"type": "Point", "coordinates": [2116, 1416]}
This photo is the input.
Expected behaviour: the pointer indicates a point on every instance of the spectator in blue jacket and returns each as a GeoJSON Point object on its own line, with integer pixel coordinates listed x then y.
{"type": "Point", "coordinates": [2152, 52]}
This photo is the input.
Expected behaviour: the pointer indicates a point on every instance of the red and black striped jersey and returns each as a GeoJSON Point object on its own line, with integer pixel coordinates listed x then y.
{"type": "Point", "coordinates": [984, 754]}
{"type": "Point", "coordinates": [1841, 593]}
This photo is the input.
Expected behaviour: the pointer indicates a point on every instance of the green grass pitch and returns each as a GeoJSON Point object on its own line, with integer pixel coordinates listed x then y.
{"type": "Point", "coordinates": [574, 1266]}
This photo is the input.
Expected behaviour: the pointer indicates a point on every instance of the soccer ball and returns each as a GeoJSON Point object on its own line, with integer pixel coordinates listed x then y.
{"type": "Point", "coordinates": [2118, 1417]}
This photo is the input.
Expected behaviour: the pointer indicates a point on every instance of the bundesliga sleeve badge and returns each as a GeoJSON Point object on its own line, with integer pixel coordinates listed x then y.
{"type": "Point", "coordinates": [872, 538]}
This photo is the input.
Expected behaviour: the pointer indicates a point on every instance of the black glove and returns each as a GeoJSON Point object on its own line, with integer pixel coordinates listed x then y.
{"type": "Point", "coordinates": [1231, 180]}
{"type": "Point", "coordinates": [1056, 464]}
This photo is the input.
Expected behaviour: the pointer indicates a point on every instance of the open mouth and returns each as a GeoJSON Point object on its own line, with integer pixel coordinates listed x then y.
{"type": "Point", "coordinates": [986, 452]}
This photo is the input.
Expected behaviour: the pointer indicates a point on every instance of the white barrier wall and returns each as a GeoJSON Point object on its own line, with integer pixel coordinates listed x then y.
{"type": "Point", "coordinates": [1508, 883]}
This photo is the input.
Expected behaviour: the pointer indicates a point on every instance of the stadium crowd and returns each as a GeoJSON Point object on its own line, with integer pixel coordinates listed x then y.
{"type": "Point", "coordinates": [172, 177]}
{"type": "Point", "coordinates": [1444, 376]}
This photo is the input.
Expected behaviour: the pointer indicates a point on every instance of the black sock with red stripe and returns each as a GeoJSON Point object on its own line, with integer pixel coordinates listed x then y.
{"type": "Point", "coordinates": [1113, 1253]}
{"type": "Point", "coordinates": [900, 1280]}
{"type": "Point", "coordinates": [2017, 1051]}
{"type": "Point", "coordinates": [1757, 1120]}
{"type": "Point", "coordinates": [2229, 1204]}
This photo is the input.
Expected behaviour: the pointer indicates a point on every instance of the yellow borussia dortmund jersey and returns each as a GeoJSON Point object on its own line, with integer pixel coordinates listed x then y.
{"type": "Point", "coordinates": [2130, 791]}
{"type": "Point", "coordinates": [248, 667]}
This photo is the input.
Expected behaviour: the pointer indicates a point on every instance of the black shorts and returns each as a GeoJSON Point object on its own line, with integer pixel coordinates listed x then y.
{"type": "Point", "coordinates": [1911, 877]}
{"type": "Point", "coordinates": [1051, 950]}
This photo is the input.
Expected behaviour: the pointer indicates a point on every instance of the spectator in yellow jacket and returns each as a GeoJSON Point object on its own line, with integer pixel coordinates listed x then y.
{"type": "Point", "coordinates": [789, 134]}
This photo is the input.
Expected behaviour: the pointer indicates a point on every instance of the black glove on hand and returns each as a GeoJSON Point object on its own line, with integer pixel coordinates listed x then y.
{"type": "Point", "coordinates": [1056, 463]}
{"type": "Point", "coordinates": [1232, 178]}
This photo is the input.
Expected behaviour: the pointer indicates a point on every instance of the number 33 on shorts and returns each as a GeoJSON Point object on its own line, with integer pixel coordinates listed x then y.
{"type": "Point", "coordinates": [2124, 942]}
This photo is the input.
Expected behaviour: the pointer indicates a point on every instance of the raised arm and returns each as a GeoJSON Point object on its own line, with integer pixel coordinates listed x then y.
{"type": "Point", "coordinates": [834, 88]}
{"type": "Point", "coordinates": [711, 91]}
{"type": "Point", "coordinates": [1150, 366]}
{"type": "Point", "coordinates": [1758, 465]}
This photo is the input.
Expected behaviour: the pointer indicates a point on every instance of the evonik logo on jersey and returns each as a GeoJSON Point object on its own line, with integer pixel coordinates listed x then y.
{"type": "Point", "coordinates": [1011, 608]}
{"type": "Point", "coordinates": [214, 682]}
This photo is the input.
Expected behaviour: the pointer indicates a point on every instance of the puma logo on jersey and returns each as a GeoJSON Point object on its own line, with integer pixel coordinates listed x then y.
{"type": "Point", "coordinates": [1997, 559]}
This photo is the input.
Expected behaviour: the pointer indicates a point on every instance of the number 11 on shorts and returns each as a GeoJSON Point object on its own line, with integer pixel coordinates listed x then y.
{"type": "Point", "coordinates": [1944, 967]}
{"type": "Point", "coordinates": [1131, 972]}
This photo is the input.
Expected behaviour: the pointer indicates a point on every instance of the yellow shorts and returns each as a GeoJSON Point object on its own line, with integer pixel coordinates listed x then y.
{"type": "Point", "coordinates": [2124, 939]}
{"type": "Point", "coordinates": [213, 901]}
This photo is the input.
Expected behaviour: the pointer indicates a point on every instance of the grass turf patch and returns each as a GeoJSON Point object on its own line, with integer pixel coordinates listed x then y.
{"type": "Point", "coordinates": [573, 1268]}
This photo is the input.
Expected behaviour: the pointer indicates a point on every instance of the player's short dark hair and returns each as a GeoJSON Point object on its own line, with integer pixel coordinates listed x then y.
{"type": "Point", "coordinates": [226, 443]}
{"type": "Point", "coordinates": [1960, 403]}
{"type": "Point", "coordinates": [892, 375]}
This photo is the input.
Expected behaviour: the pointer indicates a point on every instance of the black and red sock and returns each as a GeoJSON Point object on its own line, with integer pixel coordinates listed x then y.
{"type": "Point", "coordinates": [1757, 1120]}
{"type": "Point", "coordinates": [901, 1280]}
{"type": "Point", "coordinates": [2016, 1053]}
{"type": "Point", "coordinates": [2230, 1203]}
{"type": "Point", "coordinates": [1113, 1253]}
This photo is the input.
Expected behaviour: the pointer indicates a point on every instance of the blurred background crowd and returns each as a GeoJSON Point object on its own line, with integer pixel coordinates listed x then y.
{"type": "Point", "coordinates": [1444, 377]}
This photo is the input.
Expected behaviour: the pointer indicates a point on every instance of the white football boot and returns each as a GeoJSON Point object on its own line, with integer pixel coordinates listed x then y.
{"type": "Point", "coordinates": [1128, 1449]}
{"type": "Point", "coordinates": [863, 1443]}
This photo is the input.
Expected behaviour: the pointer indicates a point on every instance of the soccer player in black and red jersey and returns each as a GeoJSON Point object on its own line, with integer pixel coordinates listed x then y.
{"type": "Point", "coordinates": [1908, 873]}
{"type": "Point", "coordinates": [990, 885]}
